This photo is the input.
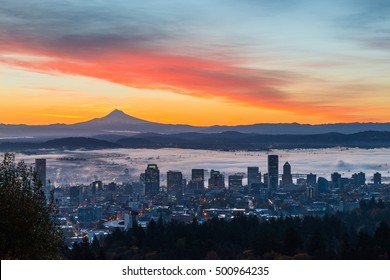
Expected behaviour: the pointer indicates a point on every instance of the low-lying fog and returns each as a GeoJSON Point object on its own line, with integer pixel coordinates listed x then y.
{"type": "Point", "coordinates": [83, 167]}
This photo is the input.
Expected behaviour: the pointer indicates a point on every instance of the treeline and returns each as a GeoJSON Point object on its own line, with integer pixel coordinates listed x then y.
{"type": "Point", "coordinates": [229, 140]}
{"type": "Point", "coordinates": [362, 234]}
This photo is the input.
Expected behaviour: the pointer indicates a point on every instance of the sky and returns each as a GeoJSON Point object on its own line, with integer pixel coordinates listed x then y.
{"type": "Point", "coordinates": [198, 62]}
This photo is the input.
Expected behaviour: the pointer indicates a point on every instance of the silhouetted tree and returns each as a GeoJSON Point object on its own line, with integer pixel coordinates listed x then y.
{"type": "Point", "coordinates": [347, 251]}
{"type": "Point", "coordinates": [365, 246]}
{"type": "Point", "coordinates": [382, 240]}
{"type": "Point", "coordinates": [27, 220]}
{"type": "Point", "coordinates": [292, 242]}
{"type": "Point", "coordinates": [316, 247]}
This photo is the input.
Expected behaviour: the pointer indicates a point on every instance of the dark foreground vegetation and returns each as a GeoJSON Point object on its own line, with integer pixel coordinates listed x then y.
{"type": "Point", "coordinates": [363, 234]}
{"type": "Point", "coordinates": [28, 228]}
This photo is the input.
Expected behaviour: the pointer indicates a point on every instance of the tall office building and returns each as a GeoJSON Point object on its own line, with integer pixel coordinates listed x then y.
{"type": "Point", "coordinates": [335, 177]}
{"type": "Point", "coordinates": [40, 168]}
{"type": "Point", "coordinates": [362, 178]}
{"type": "Point", "coordinates": [287, 177]}
{"type": "Point", "coordinates": [323, 185]}
{"type": "Point", "coordinates": [197, 179]}
{"type": "Point", "coordinates": [217, 180]}
{"type": "Point", "coordinates": [174, 181]}
{"type": "Point", "coordinates": [273, 171]}
{"type": "Point", "coordinates": [359, 179]}
{"type": "Point", "coordinates": [254, 176]}
{"type": "Point", "coordinates": [235, 182]}
{"type": "Point", "coordinates": [377, 178]}
{"type": "Point", "coordinates": [311, 179]}
{"type": "Point", "coordinates": [96, 187]}
{"type": "Point", "coordinates": [152, 180]}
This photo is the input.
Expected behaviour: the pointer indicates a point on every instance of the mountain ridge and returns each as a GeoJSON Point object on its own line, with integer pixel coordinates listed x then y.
{"type": "Point", "coordinates": [212, 141]}
{"type": "Point", "coordinates": [119, 123]}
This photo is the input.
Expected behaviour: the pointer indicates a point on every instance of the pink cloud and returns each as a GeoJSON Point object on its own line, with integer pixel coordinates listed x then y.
{"type": "Point", "coordinates": [150, 68]}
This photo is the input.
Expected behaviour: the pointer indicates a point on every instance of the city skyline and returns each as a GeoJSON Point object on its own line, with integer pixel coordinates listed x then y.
{"type": "Point", "coordinates": [170, 62]}
{"type": "Point", "coordinates": [90, 163]}
{"type": "Point", "coordinates": [155, 181]}
{"type": "Point", "coordinates": [148, 186]}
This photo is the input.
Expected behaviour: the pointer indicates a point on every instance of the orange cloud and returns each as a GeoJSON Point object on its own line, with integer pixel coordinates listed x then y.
{"type": "Point", "coordinates": [196, 76]}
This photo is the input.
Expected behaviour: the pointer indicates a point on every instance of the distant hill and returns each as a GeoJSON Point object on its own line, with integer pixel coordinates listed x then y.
{"type": "Point", "coordinates": [69, 143]}
{"type": "Point", "coordinates": [251, 141]}
{"type": "Point", "coordinates": [230, 140]}
{"type": "Point", "coordinates": [296, 128]}
{"type": "Point", "coordinates": [118, 125]}
{"type": "Point", "coordinates": [72, 143]}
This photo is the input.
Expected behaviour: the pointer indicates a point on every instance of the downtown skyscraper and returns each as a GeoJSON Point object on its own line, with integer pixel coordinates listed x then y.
{"type": "Point", "coordinates": [273, 171]}
{"type": "Point", "coordinates": [254, 175]}
{"type": "Point", "coordinates": [152, 179]}
{"type": "Point", "coordinates": [197, 180]}
{"type": "Point", "coordinates": [175, 181]}
{"type": "Point", "coordinates": [287, 177]}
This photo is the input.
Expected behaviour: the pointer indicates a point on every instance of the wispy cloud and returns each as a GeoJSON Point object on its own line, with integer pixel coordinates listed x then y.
{"type": "Point", "coordinates": [134, 45]}
{"type": "Point", "coordinates": [199, 77]}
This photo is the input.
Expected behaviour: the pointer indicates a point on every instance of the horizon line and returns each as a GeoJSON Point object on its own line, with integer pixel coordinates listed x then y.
{"type": "Point", "coordinates": [204, 126]}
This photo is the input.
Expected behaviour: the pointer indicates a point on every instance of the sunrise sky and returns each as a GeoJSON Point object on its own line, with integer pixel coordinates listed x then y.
{"type": "Point", "coordinates": [199, 62]}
